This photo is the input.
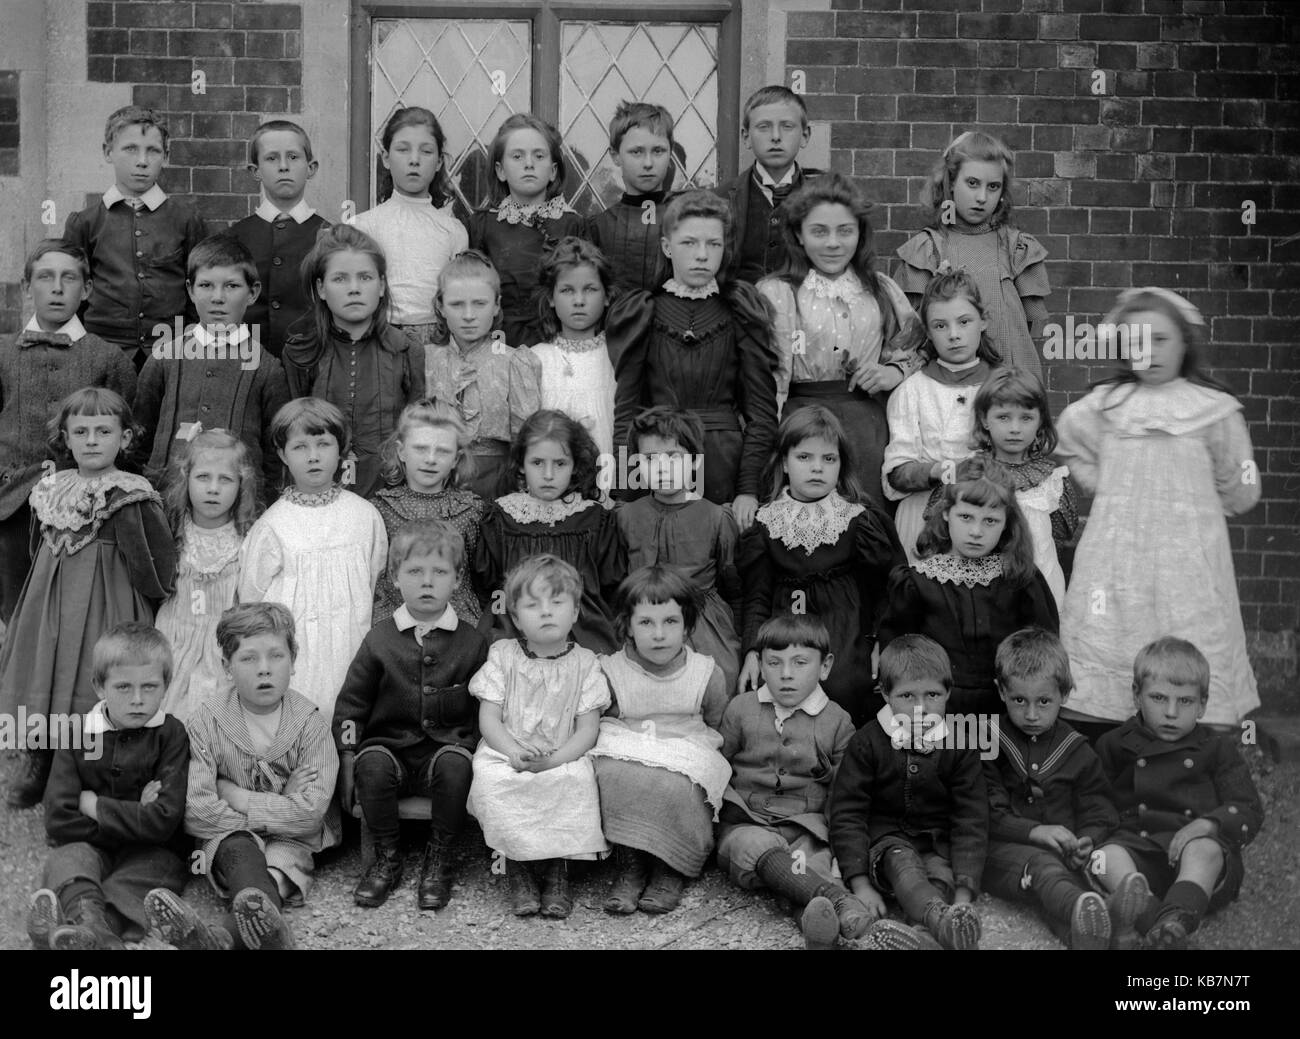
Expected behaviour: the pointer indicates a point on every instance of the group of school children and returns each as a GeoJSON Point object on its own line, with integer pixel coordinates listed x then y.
{"type": "Point", "coordinates": [604, 531]}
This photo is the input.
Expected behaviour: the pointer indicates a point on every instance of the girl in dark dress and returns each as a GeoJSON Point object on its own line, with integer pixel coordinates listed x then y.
{"type": "Point", "coordinates": [974, 583]}
{"type": "Point", "coordinates": [557, 511]}
{"type": "Point", "coordinates": [819, 547]}
{"type": "Point", "coordinates": [704, 347]}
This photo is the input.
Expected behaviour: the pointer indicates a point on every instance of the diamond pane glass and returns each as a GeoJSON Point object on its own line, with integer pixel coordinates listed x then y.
{"type": "Point", "coordinates": [471, 73]}
{"type": "Point", "coordinates": [674, 64]}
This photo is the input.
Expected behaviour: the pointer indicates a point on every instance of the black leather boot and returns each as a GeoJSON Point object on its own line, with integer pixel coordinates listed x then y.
{"type": "Point", "coordinates": [436, 872]}
{"type": "Point", "coordinates": [633, 876]}
{"type": "Point", "coordinates": [383, 876]}
{"type": "Point", "coordinates": [86, 927]}
{"type": "Point", "coordinates": [557, 899]}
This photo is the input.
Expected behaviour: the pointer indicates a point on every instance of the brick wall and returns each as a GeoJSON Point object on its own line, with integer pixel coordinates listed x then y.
{"type": "Point", "coordinates": [250, 58]}
{"type": "Point", "coordinates": [1143, 185]}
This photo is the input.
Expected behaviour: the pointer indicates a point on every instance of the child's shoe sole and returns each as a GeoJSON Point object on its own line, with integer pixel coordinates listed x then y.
{"type": "Point", "coordinates": [1123, 905]}
{"type": "Point", "coordinates": [175, 922]}
{"type": "Point", "coordinates": [42, 917]}
{"type": "Point", "coordinates": [890, 935]}
{"type": "Point", "coordinates": [73, 938]}
{"type": "Point", "coordinates": [960, 928]}
{"type": "Point", "coordinates": [259, 921]}
{"type": "Point", "coordinates": [1090, 923]}
{"type": "Point", "coordinates": [819, 924]}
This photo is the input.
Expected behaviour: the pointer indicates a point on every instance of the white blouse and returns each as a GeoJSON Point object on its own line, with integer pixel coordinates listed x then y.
{"type": "Point", "coordinates": [417, 240]}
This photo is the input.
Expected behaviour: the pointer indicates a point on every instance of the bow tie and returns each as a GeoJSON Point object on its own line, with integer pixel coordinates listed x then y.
{"type": "Point", "coordinates": [31, 338]}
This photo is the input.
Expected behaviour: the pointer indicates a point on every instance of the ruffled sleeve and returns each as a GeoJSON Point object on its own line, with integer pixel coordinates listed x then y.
{"type": "Point", "coordinates": [921, 258]}
{"type": "Point", "coordinates": [905, 441]}
{"type": "Point", "coordinates": [595, 688]}
{"type": "Point", "coordinates": [905, 609]}
{"type": "Point", "coordinates": [1236, 476]}
{"type": "Point", "coordinates": [903, 350]}
{"type": "Point", "coordinates": [785, 325]}
{"type": "Point", "coordinates": [627, 326]}
{"type": "Point", "coordinates": [1079, 433]}
{"type": "Point", "coordinates": [261, 559]}
{"type": "Point", "coordinates": [489, 681]}
{"type": "Point", "coordinates": [1065, 517]}
{"type": "Point", "coordinates": [145, 542]}
{"type": "Point", "coordinates": [524, 395]}
{"type": "Point", "coordinates": [1029, 273]}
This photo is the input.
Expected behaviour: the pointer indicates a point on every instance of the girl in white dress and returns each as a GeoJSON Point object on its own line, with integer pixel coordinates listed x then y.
{"type": "Point", "coordinates": [211, 501]}
{"type": "Point", "coordinates": [577, 370]}
{"type": "Point", "coordinates": [930, 412]}
{"type": "Point", "coordinates": [318, 550]}
{"type": "Point", "coordinates": [1166, 452]}
{"type": "Point", "coordinates": [541, 694]}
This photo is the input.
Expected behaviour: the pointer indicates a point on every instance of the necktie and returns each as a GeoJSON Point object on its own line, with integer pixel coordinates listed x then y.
{"type": "Point", "coordinates": [780, 193]}
{"type": "Point", "coordinates": [135, 203]}
{"type": "Point", "coordinates": [30, 338]}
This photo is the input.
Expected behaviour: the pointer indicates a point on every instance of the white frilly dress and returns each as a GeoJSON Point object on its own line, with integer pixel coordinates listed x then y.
{"type": "Point", "coordinates": [1166, 463]}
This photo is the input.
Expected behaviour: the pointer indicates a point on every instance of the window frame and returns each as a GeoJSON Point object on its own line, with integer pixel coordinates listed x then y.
{"type": "Point", "coordinates": [544, 87]}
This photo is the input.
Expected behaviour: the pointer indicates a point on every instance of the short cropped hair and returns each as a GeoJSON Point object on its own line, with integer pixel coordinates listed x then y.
{"type": "Point", "coordinates": [1175, 660]}
{"type": "Point", "coordinates": [653, 119]}
{"type": "Point", "coordinates": [1033, 653]}
{"type": "Point", "coordinates": [912, 658]}
{"type": "Point", "coordinates": [222, 250]}
{"type": "Point", "coordinates": [774, 95]}
{"type": "Point", "coordinates": [788, 630]}
{"type": "Point", "coordinates": [133, 644]}
{"type": "Point", "coordinates": [313, 416]}
{"type": "Point", "coordinates": [271, 126]}
{"type": "Point", "coordinates": [134, 115]}
{"type": "Point", "coordinates": [56, 245]}
{"type": "Point", "coordinates": [250, 619]}
{"type": "Point", "coordinates": [555, 574]}
{"type": "Point", "coordinates": [668, 423]}
{"type": "Point", "coordinates": [655, 585]}
{"type": "Point", "coordinates": [425, 537]}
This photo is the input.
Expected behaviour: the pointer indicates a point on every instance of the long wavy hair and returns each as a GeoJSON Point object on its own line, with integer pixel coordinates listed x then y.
{"type": "Point", "coordinates": [566, 255]}
{"type": "Point", "coordinates": [549, 424]}
{"type": "Point", "coordinates": [440, 189]}
{"type": "Point", "coordinates": [800, 425]}
{"type": "Point", "coordinates": [176, 485]}
{"type": "Point", "coordinates": [1023, 389]}
{"type": "Point", "coordinates": [971, 146]}
{"type": "Point", "coordinates": [982, 481]}
{"type": "Point", "coordinates": [432, 415]}
{"type": "Point", "coordinates": [949, 285]}
{"type": "Point", "coordinates": [340, 238]}
{"type": "Point", "coordinates": [527, 121]}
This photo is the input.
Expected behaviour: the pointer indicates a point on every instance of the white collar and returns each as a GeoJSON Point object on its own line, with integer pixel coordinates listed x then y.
{"type": "Point", "coordinates": [688, 292]}
{"type": "Point", "coordinates": [229, 338]}
{"type": "Point", "coordinates": [901, 735]}
{"type": "Point", "coordinates": [268, 211]}
{"type": "Point", "coordinates": [513, 213]}
{"type": "Point", "coordinates": [957, 367]}
{"type": "Point", "coordinates": [98, 721]}
{"type": "Point", "coordinates": [846, 286]}
{"type": "Point", "coordinates": [153, 198]}
{"type": "Point", "coordinates": [765, 178]}
{"type": "Point", "coordinates": [414, 201]}
{"type": "Point", "coordinates": [72, 328]}
{"type": "Point", "coordinates": [813, 705]}
{"type": "Point", "coordinates": [405, 622]}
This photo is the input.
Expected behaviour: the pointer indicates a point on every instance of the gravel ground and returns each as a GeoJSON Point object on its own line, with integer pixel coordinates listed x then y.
{"type": "Point", "coordinates": [715, 914]}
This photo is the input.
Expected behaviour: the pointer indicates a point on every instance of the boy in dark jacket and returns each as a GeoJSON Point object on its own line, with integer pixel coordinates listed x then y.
{"type": "Point", "coordinates": [1187, 804]}
{"type": "Point", "coordinates": [114, 805]}
{"type": "Point", "coordinates": [784, 742]}
{"type": "Point", "coordinates": [909, 810]}
{"type": "Point", "coordinates": [1049, 802]}
{"type": "Point", "coordinates": [404, 721]}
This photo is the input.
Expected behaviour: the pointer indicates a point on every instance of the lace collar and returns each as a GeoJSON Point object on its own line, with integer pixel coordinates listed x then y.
{"type": "Point", "coordinates": [846, 287]}
{"type": "Point", "coordinates": [513, 213]}
{"type": "Point", "coordinates": [312, 501]}
{"type": "Point", "coordinates": [580, 346]}
{"type": "Point", "coordinates": [530, 655]}
{"type": "Point", "coordinates": [524, 508]}
{"type": "Point", "coordinates": [209, 550]}
{"type": "Point", "coordinates": [808, 524]}
{"type": "Point", "coordinates": [689, 292]}
{"type": "Point", "coordinates": [950, 569]}
{"type": "Point", "coordinates": [71, 508]}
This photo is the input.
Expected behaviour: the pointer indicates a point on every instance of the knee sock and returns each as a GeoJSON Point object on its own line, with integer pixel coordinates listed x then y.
{"type": "Point", "coordinates": [776, 869]}
{"type": "Point", "coordinates": [1186, 898]}
{"type": "Point", "coordinates": [920, 899]}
